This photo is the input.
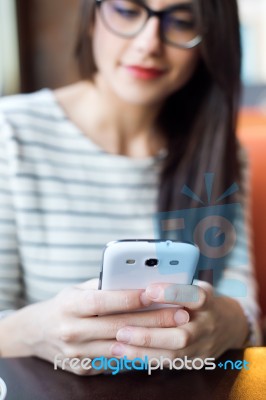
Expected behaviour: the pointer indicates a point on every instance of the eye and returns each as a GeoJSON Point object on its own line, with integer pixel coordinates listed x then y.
{"type": "Point", "coordinates": [179, 23]}
{"type": "Point", "coordinates": [126, 12]}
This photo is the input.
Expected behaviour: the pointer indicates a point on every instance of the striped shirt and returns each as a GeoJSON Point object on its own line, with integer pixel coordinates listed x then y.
{"type": "Point", "coordinates": [62, 198]}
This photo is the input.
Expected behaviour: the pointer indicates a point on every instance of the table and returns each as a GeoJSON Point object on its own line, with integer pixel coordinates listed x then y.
{"type": "Point", "coordinates": [35, 379]}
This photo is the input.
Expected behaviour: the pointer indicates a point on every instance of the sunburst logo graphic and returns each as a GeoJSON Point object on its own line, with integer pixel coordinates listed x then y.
{"type": "Point", "coordinates": [218, 230]}
{"type": "Point", "coordinates": [215, 234]}
{"type": "Point", "coordinates": [209, 180]}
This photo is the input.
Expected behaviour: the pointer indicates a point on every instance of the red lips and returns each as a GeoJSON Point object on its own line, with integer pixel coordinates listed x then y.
{"type": "Point", "coordinates": [144, 73]}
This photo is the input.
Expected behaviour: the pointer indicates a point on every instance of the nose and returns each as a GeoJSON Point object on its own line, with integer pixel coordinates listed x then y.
{"type": "Point", "coordinates": [148, 39]}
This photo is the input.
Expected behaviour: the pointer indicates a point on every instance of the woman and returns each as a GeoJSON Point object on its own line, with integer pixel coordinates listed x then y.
{"type": "Point", "coordinates": [94, 161]}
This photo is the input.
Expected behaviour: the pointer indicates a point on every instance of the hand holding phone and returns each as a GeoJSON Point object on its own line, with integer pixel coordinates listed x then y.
{"type": "Point", "coordinates": [135, 264]}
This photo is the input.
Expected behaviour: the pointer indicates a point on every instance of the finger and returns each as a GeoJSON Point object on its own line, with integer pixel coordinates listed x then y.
{"type": "Point", "coordinates": [88, 329]}
{"type": "Point", "coordinates": [208, 289]}
{"type": "Point", "coordinates": [193, 297]}
{"type": "Point", "coordinates": [205, 285]}
{"type": "Point", "coordinates": [177, 338]}
{"type": "Point", "coordinates": [132, 352]}
{"type": "Point", "coordinates": [82, 302]}
{"type": "Point", "coordinates": [167, 338]}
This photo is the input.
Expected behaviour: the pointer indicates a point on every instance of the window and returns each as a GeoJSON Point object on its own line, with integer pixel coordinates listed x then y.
{"type": "Point", "coordinates": [9, 59]}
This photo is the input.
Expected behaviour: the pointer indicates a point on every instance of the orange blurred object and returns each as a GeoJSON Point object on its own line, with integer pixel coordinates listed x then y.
{"type": "Point", "coordinates": [249, 384]}
{"type": "Point", "coordinates": [252, 134]}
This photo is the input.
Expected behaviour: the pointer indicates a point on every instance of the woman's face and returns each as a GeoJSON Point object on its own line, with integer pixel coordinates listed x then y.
{"type": "Point", "coordinates": [142, 69]}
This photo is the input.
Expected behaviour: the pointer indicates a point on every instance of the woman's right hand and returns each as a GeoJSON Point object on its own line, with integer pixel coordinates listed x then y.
{"type": "Point", "coordinates": [81, 322]}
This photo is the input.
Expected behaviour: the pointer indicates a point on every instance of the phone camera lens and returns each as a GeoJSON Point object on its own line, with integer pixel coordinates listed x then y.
{"type": "Point", "coordinates": [151, 262]}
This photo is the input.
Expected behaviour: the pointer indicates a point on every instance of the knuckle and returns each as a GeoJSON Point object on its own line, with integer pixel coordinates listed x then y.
{"type": "Point", "coordinates": [66, 334]}
{"type": "Point", "coordinates": [146, 339]}
{"type": "Point", "coordinates": [94, 301]}
{"type": "Point", "coordinates": [129, 301]}
{"type": "Point", "coordinates": [64, 299]}
{"type": "Point", "coordinates": [164, 318]}
{"type": "Point", "coordinates": [160, 319]}
{"type": "Point", "coordinates": [67, 300]}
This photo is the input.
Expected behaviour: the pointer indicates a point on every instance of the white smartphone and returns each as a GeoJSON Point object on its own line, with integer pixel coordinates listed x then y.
{"type": "Point", "coordinates": [134, 264]}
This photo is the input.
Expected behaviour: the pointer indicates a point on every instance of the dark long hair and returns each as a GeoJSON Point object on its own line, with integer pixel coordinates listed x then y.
{"type": "Point", "coordinates": [199, 121]}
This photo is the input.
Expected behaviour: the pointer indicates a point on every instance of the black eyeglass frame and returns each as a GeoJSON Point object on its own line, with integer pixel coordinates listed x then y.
{"type": "Point", "coordinates": [159, 14]}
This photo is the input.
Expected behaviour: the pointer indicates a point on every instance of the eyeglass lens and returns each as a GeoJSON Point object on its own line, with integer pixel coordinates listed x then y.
{"type": "Point", "coordinates": [127, 18]}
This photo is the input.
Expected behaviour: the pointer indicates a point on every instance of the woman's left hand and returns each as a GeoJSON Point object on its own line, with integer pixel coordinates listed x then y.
{"type": "Point", "coordinates": [215, 325]}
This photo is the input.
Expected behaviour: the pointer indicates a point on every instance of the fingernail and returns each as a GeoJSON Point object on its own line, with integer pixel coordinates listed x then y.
{"type": "Point", "coordinates": [154, 292]}
{"type": "Point", "coordinates": [124, 335]}
{"type": "Point", "coordinates": [181, 317]}
{"type": "Point", "coordinates": [144, 299]}
{"type": "Point", "coordinates": [117, 350]}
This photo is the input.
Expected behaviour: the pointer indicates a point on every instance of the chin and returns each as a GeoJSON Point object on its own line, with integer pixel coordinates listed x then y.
{"type": "Point", "coordinates": [141, 97]}
{"type": "Point", "coordinates": [143, 102]}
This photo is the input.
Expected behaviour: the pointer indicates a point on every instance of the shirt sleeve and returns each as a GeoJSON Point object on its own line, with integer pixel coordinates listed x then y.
{"type": "Point", "coordinates": [239, 279]}
{"type": "Point", "coordinates": [10, 271]}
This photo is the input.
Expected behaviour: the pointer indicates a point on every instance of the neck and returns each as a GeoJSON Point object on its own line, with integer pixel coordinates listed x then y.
{"type": "Point", "coordinates": [121, 127]}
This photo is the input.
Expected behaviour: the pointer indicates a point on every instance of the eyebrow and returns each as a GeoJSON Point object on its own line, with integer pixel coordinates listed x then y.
{"type": "Point", "coordinates": [180, 6]}
{"type": "Point", "coordinates": [177, 6]}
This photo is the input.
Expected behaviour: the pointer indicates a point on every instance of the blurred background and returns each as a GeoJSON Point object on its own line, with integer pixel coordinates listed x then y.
{"type": "Point", "coordinates": [36, 51]}
{"type": "Point", "coordinates": [37, 41]}
{"type": "Point", "coordinates": [36, 44]}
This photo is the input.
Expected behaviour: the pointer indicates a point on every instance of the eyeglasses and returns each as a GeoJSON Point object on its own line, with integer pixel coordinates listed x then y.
{"type": "Point", "coordinates": [126, 18]}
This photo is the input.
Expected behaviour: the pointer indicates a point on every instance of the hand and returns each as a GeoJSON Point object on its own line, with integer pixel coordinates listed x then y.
{"type": "Point", "coordinates": [68, 325]}
{"type": "Point", "coordinates": [216, 324]}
